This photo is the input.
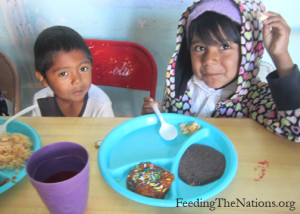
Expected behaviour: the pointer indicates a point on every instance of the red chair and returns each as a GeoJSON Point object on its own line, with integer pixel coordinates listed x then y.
{"type": "Point", "coordinates": [123, 64]}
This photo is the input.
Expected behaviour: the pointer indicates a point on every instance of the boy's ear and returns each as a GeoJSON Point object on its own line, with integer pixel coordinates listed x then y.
{"type": "Point", "coordinates": [41, 78]}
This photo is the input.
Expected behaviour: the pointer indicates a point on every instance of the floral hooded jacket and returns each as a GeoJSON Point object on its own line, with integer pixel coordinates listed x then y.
{"type": "Point", "coordinates": [274, 105]}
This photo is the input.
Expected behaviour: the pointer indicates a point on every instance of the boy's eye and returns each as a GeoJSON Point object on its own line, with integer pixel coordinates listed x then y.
{"type": "Point", "coordinates": [63, 74]}
{"type": "Point", "coordinates": [84, 69]}
{"type": "Point", "coordinates": [224, 47]}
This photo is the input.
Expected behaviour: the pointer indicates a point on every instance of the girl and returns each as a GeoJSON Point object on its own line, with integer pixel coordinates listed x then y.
{"type": "Point", "coordinates": [213, 72]}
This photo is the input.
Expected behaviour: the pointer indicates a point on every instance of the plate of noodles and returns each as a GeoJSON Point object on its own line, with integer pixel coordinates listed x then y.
{"type": "Point", "coordinates": [137, 141]}
{"type": "Point", "coordinates": [16, 145]}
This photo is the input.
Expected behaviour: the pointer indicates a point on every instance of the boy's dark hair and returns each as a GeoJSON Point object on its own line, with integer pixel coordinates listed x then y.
{"type": "Point", "coordinates": [211, 23]}
{"type": "Point", "coordinates": [55, 39]}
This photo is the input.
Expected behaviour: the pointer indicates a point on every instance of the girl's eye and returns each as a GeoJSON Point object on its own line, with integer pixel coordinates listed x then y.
{"type": "Point", "coordinates": [63, 74]}
{"type": "Point", "coordinates": [83, 69]}
{"type": "Point", "coordinates": [224, 47]}
{"type": "Point", "coordinates": [199, 48]}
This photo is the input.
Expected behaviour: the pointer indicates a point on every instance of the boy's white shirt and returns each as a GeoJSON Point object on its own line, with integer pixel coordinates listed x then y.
{"type": "Point", "coordinates": [204, 98]}
{"type": "Point", "coordinates": [98, 104]}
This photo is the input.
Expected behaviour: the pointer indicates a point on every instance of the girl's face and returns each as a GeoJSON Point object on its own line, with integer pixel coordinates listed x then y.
{"type": "Point", "coordinates": [217, 64]}
{"type": "Point", "coordinates": [70, 76]}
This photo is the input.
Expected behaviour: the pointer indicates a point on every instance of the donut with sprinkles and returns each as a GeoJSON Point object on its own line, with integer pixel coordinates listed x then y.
{"type": "Point", "coordinates": [149, 180]}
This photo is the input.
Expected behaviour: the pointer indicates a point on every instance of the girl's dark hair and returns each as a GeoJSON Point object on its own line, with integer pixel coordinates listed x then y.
{"type": "Point", "coordinates": [211, 23]}
{"type": "Point", "coordinates": [55, 39]}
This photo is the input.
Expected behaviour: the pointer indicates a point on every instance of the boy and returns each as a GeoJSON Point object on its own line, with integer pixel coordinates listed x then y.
{"type": "Point", "coordinates": [63, 65]}
{"type": "Point", "coordinates": [213, 72]}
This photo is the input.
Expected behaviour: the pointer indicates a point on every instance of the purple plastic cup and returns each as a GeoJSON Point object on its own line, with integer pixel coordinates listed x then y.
{"type": "Point", "coordinates": [60, 174]}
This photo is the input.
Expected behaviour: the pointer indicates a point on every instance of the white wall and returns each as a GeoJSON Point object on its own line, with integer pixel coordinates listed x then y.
{"type": "Point", "coordinates": [290, 11]}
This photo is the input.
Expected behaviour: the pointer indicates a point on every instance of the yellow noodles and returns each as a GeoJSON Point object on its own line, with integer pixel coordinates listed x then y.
{"type": "Point", "coordinates": [15, 149]}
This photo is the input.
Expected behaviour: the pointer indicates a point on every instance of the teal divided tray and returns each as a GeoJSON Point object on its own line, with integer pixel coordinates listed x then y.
{"type": "Point", "coordinates": [137, 140]}
{"type": "Point", "coordinates": [17, 174]}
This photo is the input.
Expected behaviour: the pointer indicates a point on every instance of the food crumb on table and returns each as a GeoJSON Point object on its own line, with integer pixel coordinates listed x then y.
{"type": "Point", "coordinates": [98, 143]}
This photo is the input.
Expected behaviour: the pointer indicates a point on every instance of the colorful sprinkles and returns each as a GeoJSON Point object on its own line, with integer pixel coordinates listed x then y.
{"type": "Point", "coordinates": [149, 180]}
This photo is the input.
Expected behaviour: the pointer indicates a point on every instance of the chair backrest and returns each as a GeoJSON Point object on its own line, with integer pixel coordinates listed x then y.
{"type": "Point", "coordinates": [9, 81]}
{"type": "Point", "coordinates": [123, 64]}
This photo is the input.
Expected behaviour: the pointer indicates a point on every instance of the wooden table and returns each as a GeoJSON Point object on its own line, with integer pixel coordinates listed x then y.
{"type": "Point", "coordinates": [268, 172]}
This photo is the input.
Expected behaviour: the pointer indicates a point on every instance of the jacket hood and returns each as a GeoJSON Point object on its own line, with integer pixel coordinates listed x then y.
{"type": "Point", "coordinates": [177, 95]}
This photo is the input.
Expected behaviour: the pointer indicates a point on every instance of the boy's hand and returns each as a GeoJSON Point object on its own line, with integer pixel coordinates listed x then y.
{"type": "Point", "coordinates": [148, 106]}
{"type": "Point", "coordinates": [276, 34]}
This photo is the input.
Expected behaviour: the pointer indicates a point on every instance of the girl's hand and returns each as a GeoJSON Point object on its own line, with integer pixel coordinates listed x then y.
{"type": "Point", "coordinates": [148, 106]}
{"type": "Point", "coordinates": [276, 35]}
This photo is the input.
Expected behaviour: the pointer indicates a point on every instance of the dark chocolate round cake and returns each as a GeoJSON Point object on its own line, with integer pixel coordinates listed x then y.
{"type": "Point", "coordinates": [201, 165]}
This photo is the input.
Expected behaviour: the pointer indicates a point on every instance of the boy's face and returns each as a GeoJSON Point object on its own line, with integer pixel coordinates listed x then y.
{"type": "Point", "coordinates": [70, 76]}
{"type": "Point", "coordinates": [217, 65]}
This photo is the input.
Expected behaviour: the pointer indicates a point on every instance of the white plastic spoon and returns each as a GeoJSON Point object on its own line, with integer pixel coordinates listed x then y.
{"type": "Point", "coordinates": [24, 111]}
{"type": "Point", "coordinates": [166, 131]}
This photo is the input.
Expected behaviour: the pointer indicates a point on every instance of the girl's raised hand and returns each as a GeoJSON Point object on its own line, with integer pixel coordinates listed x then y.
{"type": "Point", "coordinates": [276, 35]}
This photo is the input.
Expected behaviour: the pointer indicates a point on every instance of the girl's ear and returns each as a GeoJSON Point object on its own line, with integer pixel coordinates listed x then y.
{"type": "Point", "coordinates": [41, 78]}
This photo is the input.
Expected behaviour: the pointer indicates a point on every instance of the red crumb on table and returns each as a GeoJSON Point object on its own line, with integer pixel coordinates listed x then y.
{"type": "Point", "coordinates": [262, 169]}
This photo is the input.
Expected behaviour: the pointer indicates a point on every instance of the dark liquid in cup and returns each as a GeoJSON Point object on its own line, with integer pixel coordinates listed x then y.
{"type": "Point", "coordinates": [58, 169]}
{"type": "Point", "coordinates": [60, 176]}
